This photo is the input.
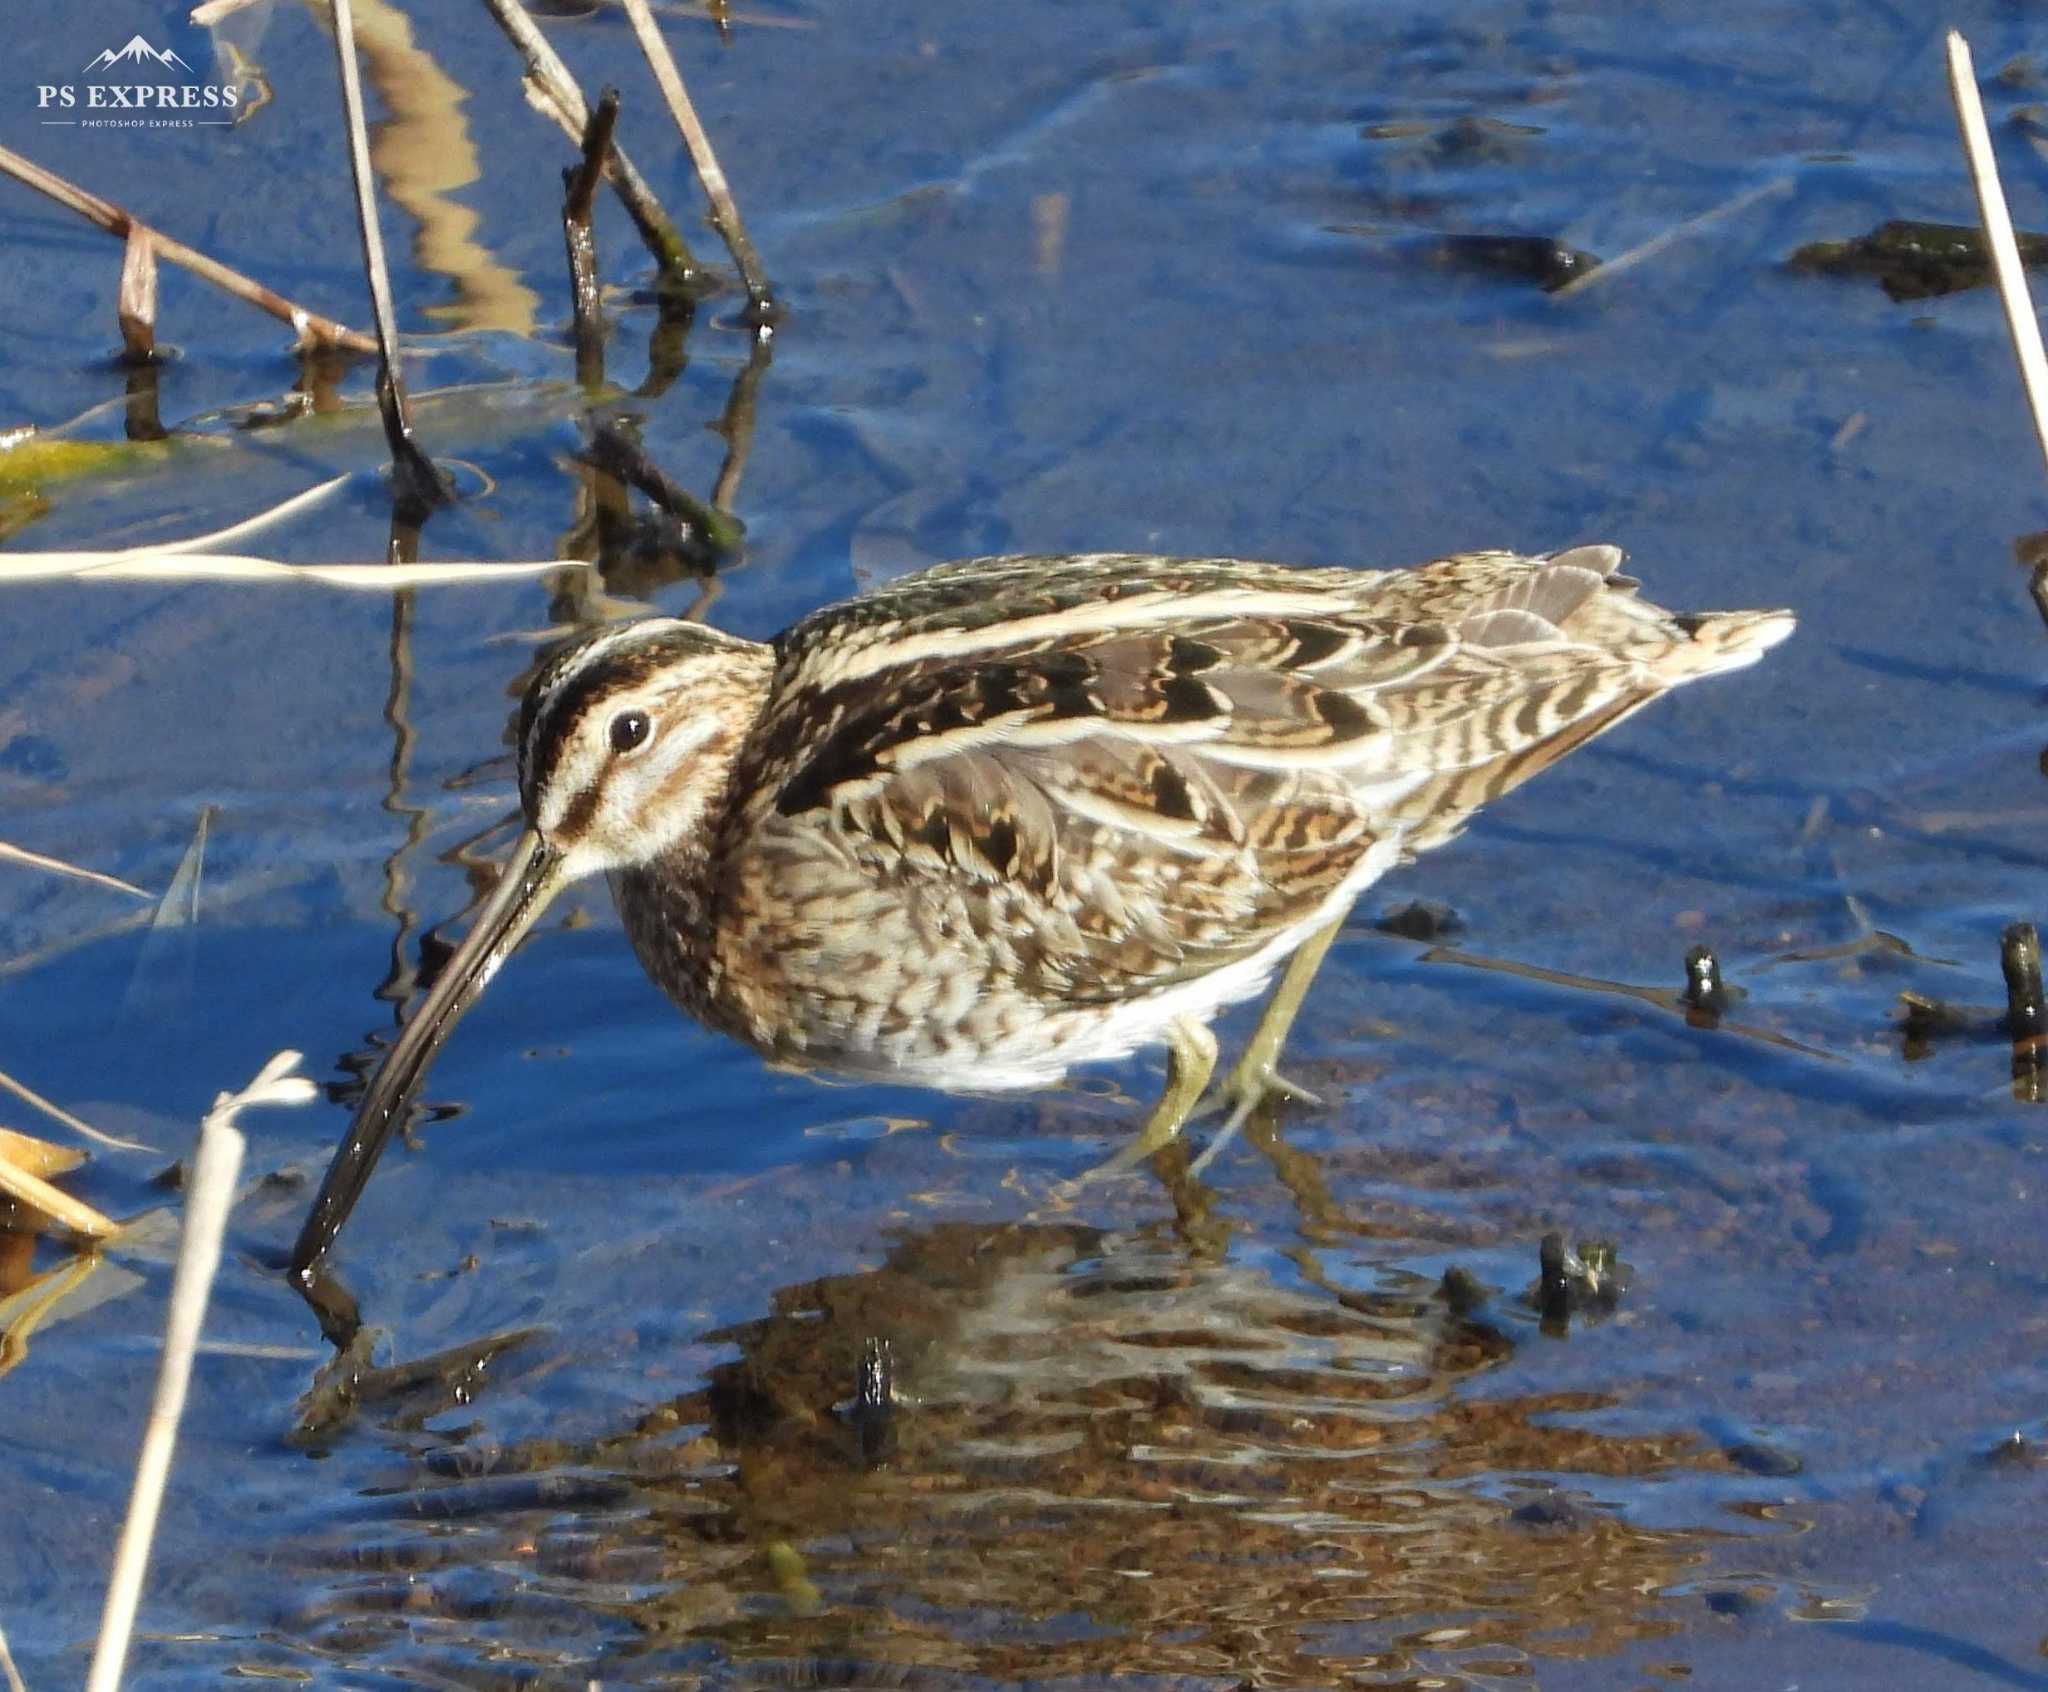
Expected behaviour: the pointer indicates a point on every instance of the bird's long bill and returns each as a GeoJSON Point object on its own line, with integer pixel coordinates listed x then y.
{"type": "Point", "coordinates": [531, 879]}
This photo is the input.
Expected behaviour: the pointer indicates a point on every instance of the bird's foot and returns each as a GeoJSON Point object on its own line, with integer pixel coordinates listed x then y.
{"type": "Point", "coordinates": [1242, 1092]}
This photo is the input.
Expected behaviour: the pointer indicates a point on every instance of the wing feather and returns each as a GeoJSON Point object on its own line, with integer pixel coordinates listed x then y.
{"type": "Point", "coordinates": [1141, 768]}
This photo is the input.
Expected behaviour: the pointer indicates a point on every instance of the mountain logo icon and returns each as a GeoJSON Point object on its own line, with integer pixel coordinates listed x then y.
{"type": "Point", "coordinates": [137, 52]}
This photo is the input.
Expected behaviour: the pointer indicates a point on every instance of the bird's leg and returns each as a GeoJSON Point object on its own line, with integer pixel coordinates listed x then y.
{"type": "Point", "coordinates": [1190, 1061]}
{"type": "Point", "coordinates": [1256, 1076]}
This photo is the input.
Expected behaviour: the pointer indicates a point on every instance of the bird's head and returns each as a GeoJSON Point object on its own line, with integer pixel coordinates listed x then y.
{"type": "Point", "coordinates": [627, 738]}
{"type": "Point", "coordinates": [626, 742]}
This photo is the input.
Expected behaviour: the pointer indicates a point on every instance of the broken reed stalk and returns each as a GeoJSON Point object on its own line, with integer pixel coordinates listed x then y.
{"type": "Point", "coordinates": [310, 328]}
{"type": "Point", "coordinates": [579, 186]}
{"type": "Point", "coordinates": [136, 306]}
{"type": "Point", "coordinates": [38, 1196]}
{"type": "Point", "coordinates": [725, 212]}
{"type": "Point", "coordinates": [57, 1113]}
{"type": "Point", "coordinates": [420, 484]}
{"type": "Point", "coordinates": [7, 1668]}
{"type": "Point", "coordinates": [208, 1195]}
{"type": "Point", "coordinates": [557, 94]}
{"type": "Point", "coordinates": [2005, 252]}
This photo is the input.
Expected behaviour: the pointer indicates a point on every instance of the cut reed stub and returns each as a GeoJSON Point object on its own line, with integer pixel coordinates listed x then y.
{"type": "Point", "coordinates": [136, 307]}
{"type": "Point", "coordinates": [579, 187]}
{"type": "Point", "coordinates": [2026, 1017]}
{"type": "Point", "coordinates": [1705, 995]}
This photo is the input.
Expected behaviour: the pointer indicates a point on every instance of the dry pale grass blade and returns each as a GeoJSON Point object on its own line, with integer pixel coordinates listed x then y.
{"type": "Point", "coordinates": [140, 565]}
{"type": "Point", "coordinates": [57, 866]}
{"type": "Point", "coordinates": [2005, 252]}
{"type": "Point", "coordinates": [53, 1204]}
{"type": "Point", "coordinates": [213, 11]}
{"type": "Point", "coordinates": [37, 1157]}
{"type": "Point", "coordinates": [56, 1113]}
{"type": "Point", "coordinates": [208, 1196]}
{"type": "Point", "coordinates": [284, 510]}
{"type": "Point", "coordinates": [1621, 263]}
{"type": "Point", "coordinates": [244, 888]}
{"type": "Point", "coordinates": [7, 1668]}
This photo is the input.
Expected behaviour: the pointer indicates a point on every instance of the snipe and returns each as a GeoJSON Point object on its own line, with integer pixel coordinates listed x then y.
{"type": "Point", "coordinates": [1016, 814]}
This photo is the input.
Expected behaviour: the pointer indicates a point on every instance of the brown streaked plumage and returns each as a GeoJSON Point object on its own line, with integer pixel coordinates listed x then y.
{"type": "Point", "coordinates": [1015, 814]}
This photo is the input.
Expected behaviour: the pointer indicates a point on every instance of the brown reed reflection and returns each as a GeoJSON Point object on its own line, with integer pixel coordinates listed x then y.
{"type": "Point", "coordinates": [1102, 1457]}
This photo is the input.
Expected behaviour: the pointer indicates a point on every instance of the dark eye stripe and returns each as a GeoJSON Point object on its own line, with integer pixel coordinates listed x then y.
{"type": "Point", "coordinates": [577, 818]}
{"type": "Point", "coordinates": [557, 703]}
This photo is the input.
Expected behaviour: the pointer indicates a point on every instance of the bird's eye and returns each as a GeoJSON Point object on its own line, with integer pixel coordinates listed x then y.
{"type": "Point", "coordinates": [630, 731]}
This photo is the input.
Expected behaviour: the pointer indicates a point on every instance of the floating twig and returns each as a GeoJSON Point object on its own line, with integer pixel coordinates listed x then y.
{"type": "Point", "coordinates": [57, 1113]}
{"type": "Point", "coordinates": [208, 1194]}
{"type": "Point", "coordinates": [725, 212]}
{"type": "Point", "coordinates": [420, 485]}
{"type": "Point", "coordinates": [556, 94]}
{"type": "Point", "coordinates": [1677, 232]}
{"type": "Point", "coordinates": [1875, 943]}
{"type": "Point", "coordinates": [579, 184]}
{"type": "Point", "coordinates": [310, 328]}
{"type": "Point", "coordinates": [1662, 997]}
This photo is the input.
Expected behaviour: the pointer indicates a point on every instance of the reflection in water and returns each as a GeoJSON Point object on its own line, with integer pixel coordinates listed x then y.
{"type": "Point", "coordinates": [1100, 1458]}
{"type": "Point", "coordinates": [422, 152]}
{"type": "Point", "coordinates": [635, 557]}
